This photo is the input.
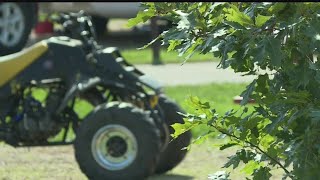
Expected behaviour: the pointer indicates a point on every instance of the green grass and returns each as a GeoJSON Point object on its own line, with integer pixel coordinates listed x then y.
{"type": "Point", "coordinates": [144, 56]}
{"type": "Point", "coordinates": [220, 97]}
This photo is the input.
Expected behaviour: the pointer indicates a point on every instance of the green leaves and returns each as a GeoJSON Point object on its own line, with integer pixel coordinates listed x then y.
{"type": "Point", "coordinates": [234, 15]}
{"type": "Point", "coordinates": [241, 155]}
{"type": "Point", "coordinates": [142, 16]}
{"type": "Point", "coordinates": [251, 166]}
{"type": "Point", "coordinates": [277, 7]}
{"type": "Point", "coordinates": [247, 93]}
{"type": "Point", "coordinates": [273, 47]}
{"type": "Point", "coordinates": [184, 22]}
{"type": "Point", "coordinates": [233, 161]}
{"type": "Point", "coordinates": [260, 52]}
{"type": "Point", "coordinates": [267, 140]}
{"type": "Point", "coordinates": [181, 128]}
{"type": "Point", "coordinates": [276, 42]}
{"type": "Point", "coordinates": [260, 20]}
{"type": "Point", "coordinates": [173, 44]}
{"type": "Point", "coordinates": [263, 173]}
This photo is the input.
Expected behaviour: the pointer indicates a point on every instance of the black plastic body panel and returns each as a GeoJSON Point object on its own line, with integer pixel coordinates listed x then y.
{"type": "Point", "coordinates": [66, 59]}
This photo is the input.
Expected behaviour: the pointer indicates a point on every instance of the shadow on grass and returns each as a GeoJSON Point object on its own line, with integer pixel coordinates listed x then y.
{"type": "Point", "coordinates": [171, 177]}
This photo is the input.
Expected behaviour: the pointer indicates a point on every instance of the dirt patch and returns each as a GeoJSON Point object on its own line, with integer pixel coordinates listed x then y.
{"type": "Point", "coordinates": [59, 163]}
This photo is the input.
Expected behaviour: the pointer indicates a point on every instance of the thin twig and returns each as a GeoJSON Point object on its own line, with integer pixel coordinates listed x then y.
{"type": "Point", "coordinates": [257, 147]}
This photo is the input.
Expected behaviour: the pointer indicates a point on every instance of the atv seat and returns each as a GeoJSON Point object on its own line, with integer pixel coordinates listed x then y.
{"type": "Point", "coordinates": [13, 64]}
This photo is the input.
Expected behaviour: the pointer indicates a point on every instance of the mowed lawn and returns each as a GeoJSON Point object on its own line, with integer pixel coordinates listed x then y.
{"type": "Point", "coordinates": [144, 56]}
{"type": "Point", "coordinates": [59, 162]}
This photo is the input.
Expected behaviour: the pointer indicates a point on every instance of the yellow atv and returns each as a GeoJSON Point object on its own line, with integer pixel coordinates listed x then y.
{"type": "Point", "coordinates": [126, 134]}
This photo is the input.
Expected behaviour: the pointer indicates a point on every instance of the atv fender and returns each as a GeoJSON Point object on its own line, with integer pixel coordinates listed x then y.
{"type": "Point", "coordinates": [78, 88]}
{"type": "Point", "coordinates": [151, 83]}
{"type": "Point", "coordinates": [84, 86]}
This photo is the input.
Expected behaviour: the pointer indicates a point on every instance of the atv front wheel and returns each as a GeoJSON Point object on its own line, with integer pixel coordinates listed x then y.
{"type": "Point", "coordinates": [173, 155]}
{"type": "Point", "coordinates": [117, 141]}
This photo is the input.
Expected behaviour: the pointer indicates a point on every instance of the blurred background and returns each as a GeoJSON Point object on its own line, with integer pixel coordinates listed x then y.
{"type": "Point", "coordinates": [23, 24]}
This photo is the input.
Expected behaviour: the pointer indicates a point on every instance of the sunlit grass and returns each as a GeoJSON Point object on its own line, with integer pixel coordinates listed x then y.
{"type": "Point", "coordinates": [144, 56]}
{"type": "Point", "coordinates": [220, 97]}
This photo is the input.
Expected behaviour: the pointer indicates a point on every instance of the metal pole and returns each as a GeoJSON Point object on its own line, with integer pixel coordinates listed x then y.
{"type": "Point", "coordinates": [156, 60]}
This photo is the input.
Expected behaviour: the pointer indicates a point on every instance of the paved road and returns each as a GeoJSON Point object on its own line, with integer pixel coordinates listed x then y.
{"type": "Point", "coordinates": [192, 74]}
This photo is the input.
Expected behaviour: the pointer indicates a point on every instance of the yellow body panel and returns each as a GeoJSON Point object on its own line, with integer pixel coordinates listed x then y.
{"type": "Point", "coordinates": [13, 64]}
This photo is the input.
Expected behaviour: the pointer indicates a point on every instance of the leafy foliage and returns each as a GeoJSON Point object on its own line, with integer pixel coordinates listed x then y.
{"type": "Point", "coordinates": [277, 42]}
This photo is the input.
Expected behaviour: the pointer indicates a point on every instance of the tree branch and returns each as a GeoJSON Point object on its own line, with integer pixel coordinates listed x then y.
{"type": "Point", "coordinates": [257, 147]}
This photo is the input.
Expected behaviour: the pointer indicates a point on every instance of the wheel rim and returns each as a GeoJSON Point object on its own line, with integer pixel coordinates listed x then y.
{"type": "Point", "coordinates": [114, 147]}
{"type": "Point", "coordinates": [12, 24]}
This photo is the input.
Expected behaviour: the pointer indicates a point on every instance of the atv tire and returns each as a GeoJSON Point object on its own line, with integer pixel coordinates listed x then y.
{"type": "Point", "coordinates": [173, 154]}
{"type": "Point", "coordinates": [19, 23]}
{"type": "Point", "coordinates": [117, 141]}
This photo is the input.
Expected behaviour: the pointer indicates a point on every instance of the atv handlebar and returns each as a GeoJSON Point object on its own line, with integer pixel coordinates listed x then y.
{"type": "Point", "coordinates": [78, 26]}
